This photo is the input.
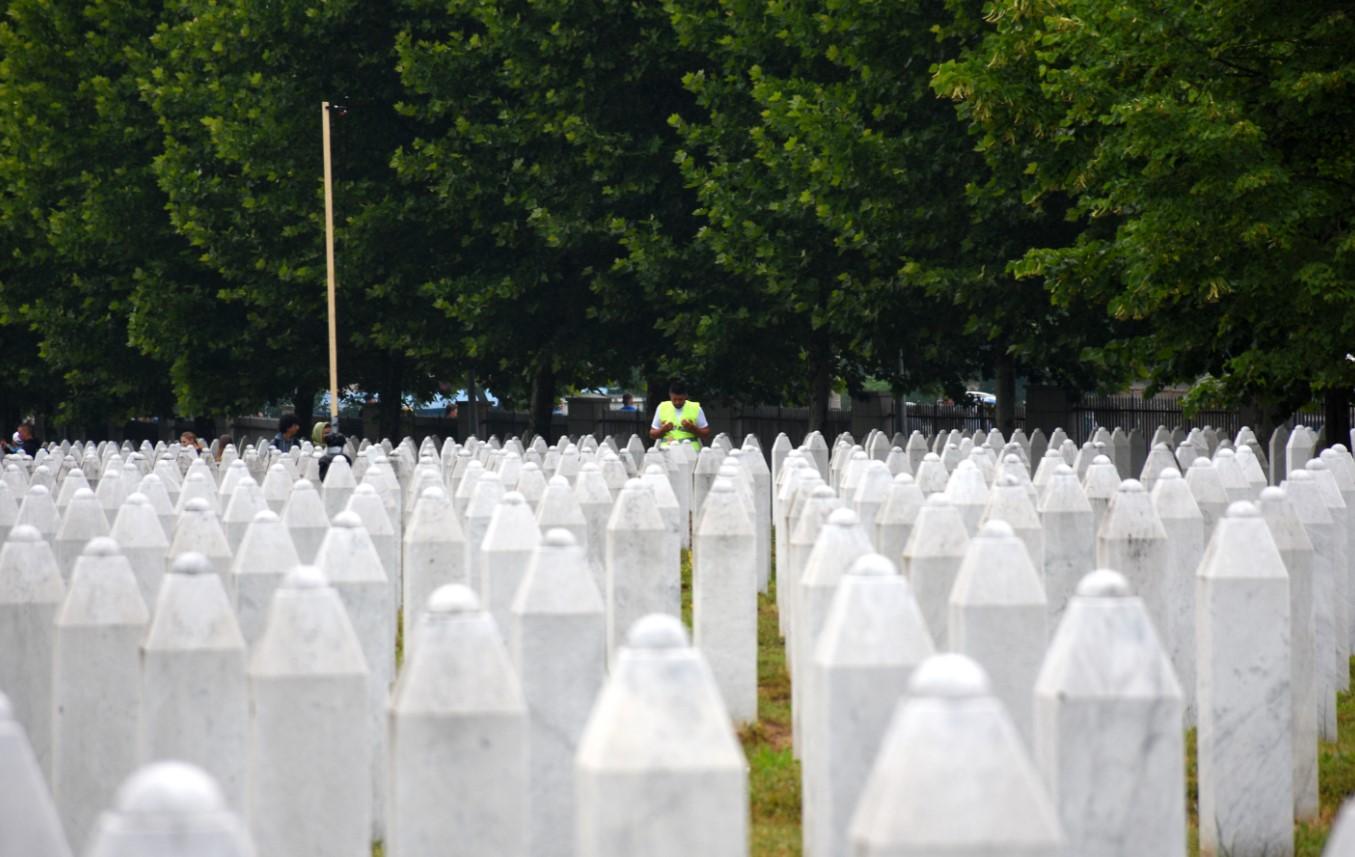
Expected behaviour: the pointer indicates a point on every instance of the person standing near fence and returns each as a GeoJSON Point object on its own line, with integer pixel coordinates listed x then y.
{"type": "Point", "coordinates": [679, 420]}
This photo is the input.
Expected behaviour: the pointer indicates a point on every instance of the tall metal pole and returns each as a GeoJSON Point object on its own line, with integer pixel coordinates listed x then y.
{"type": "Point", "coordinates": [329, 265]}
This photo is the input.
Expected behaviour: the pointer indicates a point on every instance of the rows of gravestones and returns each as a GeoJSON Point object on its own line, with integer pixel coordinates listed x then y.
{"type": "Point", "coordinates": [198, 655]}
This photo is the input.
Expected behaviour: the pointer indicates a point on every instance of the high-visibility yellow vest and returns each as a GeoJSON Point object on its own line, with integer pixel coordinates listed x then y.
{"type": "Point", "coordinates": [670, 414]}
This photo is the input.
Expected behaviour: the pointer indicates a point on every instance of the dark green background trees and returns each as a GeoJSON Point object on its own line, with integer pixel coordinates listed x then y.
{"type": "Point", "coordinates": [772, 198]}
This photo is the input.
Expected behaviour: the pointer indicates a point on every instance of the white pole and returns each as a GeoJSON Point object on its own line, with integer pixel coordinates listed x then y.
{"type": "Point", "coordinates": [329, 265]}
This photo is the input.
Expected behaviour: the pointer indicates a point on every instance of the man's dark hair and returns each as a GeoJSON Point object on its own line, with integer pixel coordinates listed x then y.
{"type": "Point", "coordinates": [677, 388]}
{"type": "Point", "coordinates": [286, 421]}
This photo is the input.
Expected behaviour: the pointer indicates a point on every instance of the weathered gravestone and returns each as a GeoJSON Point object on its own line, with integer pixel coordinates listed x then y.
{"type": "Point", "coordinates": [170, 809]}
{"type": "Point", "coordinates": [31, 594]}
{"type": "Point", "coordinates": [952, 776]}
{"type": "Point", "coordinates": [309, 727]}
{"type": "Point", "coordinates": [873, 638]}
{"type": "Point", "coordinates": [193, 695]}
{"type": "Point", "coordinates": [1246, 766]}
{"type": "Point", "coordinates": [643, 573]}
{"type": "Point", "coordinates": [29, 825]}
{"type": "Point", "coordinates": [1108, 727]}
{"type": "Point", "coordinates": [724, 597]}
{"type": "Point", "coordinates": [459, 770]}
{"type": "Point", "coordinates": [659, 770]}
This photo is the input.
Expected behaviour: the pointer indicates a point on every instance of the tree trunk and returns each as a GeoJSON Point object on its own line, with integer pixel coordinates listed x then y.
{"type": "Point", "coordinates": [1336, 416]}
{"type": "Point", "coordinates": [1006, 395]}
{"type": "Point", "coordinates": [472, 420]}
{"type": "Point", "coordinates": [820, 384]}
{"type": "Point", "coordinates": [391, 396]}
{"type": "Point", "coordinates": [303, 400]}
{"type": "Point", "coordinates": [543, 398]}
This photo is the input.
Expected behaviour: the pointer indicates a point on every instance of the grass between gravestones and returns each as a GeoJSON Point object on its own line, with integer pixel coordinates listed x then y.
{"type": "Point", "coordinates": [774, 773]}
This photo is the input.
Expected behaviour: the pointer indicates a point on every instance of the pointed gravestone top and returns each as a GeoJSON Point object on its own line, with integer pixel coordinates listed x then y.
{"type": "Point", "coordinates": [29, 825]}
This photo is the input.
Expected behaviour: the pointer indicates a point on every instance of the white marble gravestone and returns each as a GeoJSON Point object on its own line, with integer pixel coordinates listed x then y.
{"type": "Point", "coordinates": [873, 638]}
{"type": "Point", "coordinates": [266, 555]}
{"type": "Point", "coordinates": [1246, 766]}
{"type": "Point", "coordinates": [309, 728]}
{"type": "Point", "coordinates": [931, 560]}
{"type": "Point", "coordinates": [1069, 536]}
{"type": "Point", "coordinates": [195, 706]}
{"type": "Point", "coordinates": [1184, 525]}
{"type": "Point", "coordinates": [724, 597]}
{"type": "Point", "coordinates": [559, 646]}
{"type": "Point", "coordinates": [304, 515]}
{"type": "Point", "coordinates": [659, 771]}
{"type": "Point", "coordinates": [1108, 726]}
{"type": "Point", "coordinates": [199, 531]}
{"type": "Point", "coordinates": [1312, 512]}
{"type": "Point", "coordinates": [434, 554]}
{"type": "Point", "coordinates": [895, 519]}
{"type": "Point", "coordinates": [952, 776]}
{"type": "Point", "coordinates": [458, 723]}
{"type": "Point", "coordinates": [96, 686]}
{"type": "Point", "coordinates": [83, 520]}
{"type": "Point", "coordinates": [1009, 501]}
{"type": "Point", "coordinates": [138, 533]}
{"type": "Point", "coordinates": [1133, 542]}
{"type": "Point", "coordinates": [1296, 549]}
{"type": "Point", "coordinates": [510, 542]}
{"type": "Point", "coordinates": [29, 824]}
{"type": "Point", "coordinates": [31, 594]}
{"type": "Point", "coordinates": [998, 616]}
{"type": "Point", "coordinates": [348, 559]}
{"type": "Point", "coordinates": [643, 573]}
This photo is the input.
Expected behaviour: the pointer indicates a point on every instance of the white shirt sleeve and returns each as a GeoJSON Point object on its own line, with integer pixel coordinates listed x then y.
{"type": "Point", "coordinates": [701, 418]}
{"type": "Point", "coordinates": [656, 422]}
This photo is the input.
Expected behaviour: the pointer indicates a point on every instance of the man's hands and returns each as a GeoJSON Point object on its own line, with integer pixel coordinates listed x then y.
{"type": "Point", "coordinates": [689, 425]}
{"type": "Point", "coordinates": [666, 427]}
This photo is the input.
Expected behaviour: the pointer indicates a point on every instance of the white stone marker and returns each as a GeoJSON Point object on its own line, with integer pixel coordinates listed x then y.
{"type": "Point", "coordinates": [245, 502]}
{"type": "Point", "coordinates": [559, 645]}
{"type": "Point", "coordinates": [1160, 458]}
{"type": "Point", "coordinates": [1341, 538]}
{"type": "Point", "coordinates": [349, 561]}
{"type": "Point", "coordinates": [967, 492]}
{"type": "Point", "coordinates": [485, 498]}
{"type": "Point", "coordinates": [816, 501]}
{"type": "Point", "coordinates": [559, 509]}
{"type": "Point", "coordinates": [195, 705]}
{"type": "Point", "coordinates": [309, 729]}
{"type": "Point", "coordinates": [931, 561]}
{"type": "Point", "coordinates": [1342, 468]}
{"type": "Point", "coordinates": [595, 499]}
{"type": "Point", "coordinates": [265, 557]}
{"type": "Point", "coordinates": [1246, 766]}
{"type": "Point", "coordinates": [96, 686]}
{"type": "Point", "coordinates": [304, 515]}
{"type": "Point", "coordinates": [1207, 487]}
{"type": "Point", "coordinates": [84, 520]}
{"type": "Point", "coordinates": [31, 593]}
{"type": "Point", "coordinates": [643, 564]}
{"type": "Point", "coordinates": [724, 598]}
{"type": "Point", "coordinates": [9, 510]}
{"type": "Point", "coordinates": [1296, 549]}
{"type": "Point", "coordinates": [434, 555]}
{"type": "Point", "coordinates": [29, 824]}
{"type": "Point", "coordinates": [894, 522]}
{"type": "Point", "coordinates": [999, 617]}
{"type": "Point", "coordinates": [170, 809]}
{"type": "Point", "coordinates": [931, 475]}
{"type": "Point", "coordinates": [1306, 498]}
{"type": "Point", "coordinates": [872, 640]}
{"type": "Point", "coordinates": [1299, 449]}
{"type": "Point", "coordinates": [1133, 542]}
{"type": "Point", "coordinates": [952, 776]}
{"type": "Point", "coordinates": [656, 477]}
{"type": "Point", "coordinates": [708, 462]}
{"type": "Point", "coordinates": [459, 770]}
{"type": "Point", "coordinates": [659, 770]}
{"type": "Point", "coordinates": [1009, 501]}
{"type": "Point", "coordinates": [1184, 525]}
{"type": "Point", "coordinates": [1108, 726]}
{"type": "Point", "coordinates": [199, 531]}
{"type": "Point", "coordinates": [154, 490]}
{"type": "Point", "coordinates": [198, 485]}
{"type": "Point", "coordinates": [1100, 484]}
{"type": "Point", "coordinates": [39, 511]}
{"type": "Point", "coordinates": [338, 487]}
{"type": "Point", "coordinates": [511, 540]}
{"type": "Point", "coordinates": [138, 533]}
{"type": "Point", "coordinates": [1070, 539]}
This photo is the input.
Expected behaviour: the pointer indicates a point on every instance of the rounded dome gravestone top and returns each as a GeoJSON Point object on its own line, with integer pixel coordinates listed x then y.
{"type": "Point", "coordinates": [197, 504]}
{"type": "Point", "coordinates": [101, 546]}
{"type": "Point", "coordinates": [657, 632]}
{"type": "Point", "coordinates": [169, 788]}
{"type": "Point", "coordinates": [453, 599]}
{"type": "Point", "coordinates": [24, 533]}
{"type": "Point", "coordinates": [556, 537]}
{"type": "Point", "coordinates": [996, 530]}
{"type": "Point", "coordinates": [191, 563]}
{"type": "Point", "coordinates": [349, 520]}
{"type": "Point", "coordinates": [1243, 509]}
{"type": "Point", "coordinates": [950, 676]}
{"type": "Point", "coordinates": [872, 565]}
{"type": "Point", "coordinates": [842, 517]}
{"type": "Point", "coordinates": [1103, 583]}
{"type": "Point", "coordinates": [305, 577]}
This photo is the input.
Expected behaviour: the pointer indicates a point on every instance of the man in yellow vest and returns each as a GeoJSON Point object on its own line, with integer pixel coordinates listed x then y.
{"type": "Point", "coordinates": [679, 420]}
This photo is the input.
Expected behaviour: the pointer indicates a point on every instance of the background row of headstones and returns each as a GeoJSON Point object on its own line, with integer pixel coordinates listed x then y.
{"type": "Point", "coordinates": [931, 508]}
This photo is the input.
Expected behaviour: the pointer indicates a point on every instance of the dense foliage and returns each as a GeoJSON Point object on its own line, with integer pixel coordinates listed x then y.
{"type": "Point", "coordinates": [771, 198]}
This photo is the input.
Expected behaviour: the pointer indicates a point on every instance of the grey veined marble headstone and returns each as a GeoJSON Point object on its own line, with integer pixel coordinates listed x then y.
{"type": "Point", "coordinates": [1108, 727]}
{"type": "Point", "coordinates": [659, 769]}
{"type": "Point", "coordinates": [952, 776]}
{"type": "Point", "coordinates": [1246, 765]}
